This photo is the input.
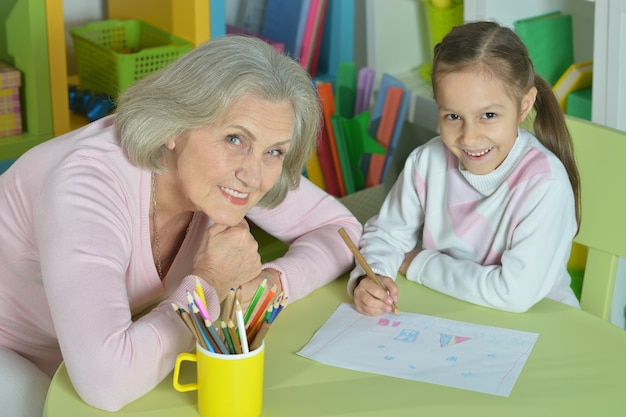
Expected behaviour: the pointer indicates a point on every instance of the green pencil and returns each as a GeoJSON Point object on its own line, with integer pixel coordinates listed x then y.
{"type": "Point", "coordinates": [255, 300]}
{"type": "Point", "coordinates": [229, 340]}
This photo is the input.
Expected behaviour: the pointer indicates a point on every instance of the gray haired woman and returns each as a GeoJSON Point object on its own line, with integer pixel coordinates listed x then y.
{"type": "Point", "coordinates": [126, 214]}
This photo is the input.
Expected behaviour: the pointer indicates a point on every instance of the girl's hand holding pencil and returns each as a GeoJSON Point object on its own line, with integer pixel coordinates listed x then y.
{"type": "Point", "coordinates": [234, 332]}
{"type": "Point", "coordinates": [374, 297]}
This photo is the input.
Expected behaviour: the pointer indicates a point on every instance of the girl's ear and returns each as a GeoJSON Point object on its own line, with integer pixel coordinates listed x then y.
{"type": "Point", "coordinates": [528, 101]}
{"type": "Point", "coordinates": [170, 144]}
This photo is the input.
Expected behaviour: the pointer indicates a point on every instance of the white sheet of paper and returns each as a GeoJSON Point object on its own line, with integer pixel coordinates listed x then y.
{"type": "Point", "coordinates": [423, 348]}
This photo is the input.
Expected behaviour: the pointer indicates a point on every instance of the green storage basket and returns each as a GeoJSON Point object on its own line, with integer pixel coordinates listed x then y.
{"type": "Point", "coordinates": [113, 54]}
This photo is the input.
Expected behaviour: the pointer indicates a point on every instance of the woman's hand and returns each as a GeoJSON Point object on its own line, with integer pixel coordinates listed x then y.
{"type": "Point", "coordinates": [372, 300]}
{"type": "Point", "coordinates": [249, 288]}
{"type": "Point", "coordinates": [228, 257]}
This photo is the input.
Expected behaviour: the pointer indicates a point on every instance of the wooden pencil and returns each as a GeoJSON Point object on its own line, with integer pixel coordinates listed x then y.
{"type": "Point", "coordinates": [361, 260]}
{"type": "Point", "coordinates": [216, 337]}
{"type": "Point", "coordinates": [234, 337]}
{"type": "Point", "coordinates": [243, 337]}
{"type": "Point", "coordinates": [235, 301]}
{"type": "Point", "coordinates": [187, 320]}
{"type": "Point", "coordinates": [260, 312]}
{"type": "Point", "coordinates": [201, 336]}
{"type": "Point", "coordinates": [260, 335]}
{"type": "Point", "coordinates": [255, 299]}
{"type": "Point", "coordinates": [227, 336]}
{"type": "Point", "coordinates": [228, 306]}
{"type": "Point", "coordinates": [200, 291]}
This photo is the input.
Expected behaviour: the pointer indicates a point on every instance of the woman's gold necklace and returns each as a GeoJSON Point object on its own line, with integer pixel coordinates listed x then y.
{"type": "Point", "coordinates": [156, 229]}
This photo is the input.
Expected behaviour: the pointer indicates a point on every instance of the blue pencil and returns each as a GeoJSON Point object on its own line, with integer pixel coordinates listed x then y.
{"type": "Point", "coordinates": [201, 330]}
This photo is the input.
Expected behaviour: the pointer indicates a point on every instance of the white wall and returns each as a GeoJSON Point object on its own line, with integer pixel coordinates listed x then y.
{"type": "Point", "coordinates": [77, 13]}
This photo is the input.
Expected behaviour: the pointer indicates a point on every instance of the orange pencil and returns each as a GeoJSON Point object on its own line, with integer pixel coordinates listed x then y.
{"type": "Point", "coordinates": [262, 307]}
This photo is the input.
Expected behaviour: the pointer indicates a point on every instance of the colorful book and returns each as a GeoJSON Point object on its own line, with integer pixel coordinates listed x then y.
{"type": "Point", "coordinates": [387, 81]}
{"type": "Point", "coordinates": [217, 18]}
{"type": "Point", "coordinates": [393, 100]}
{"type": "Point", "coordinates": [253, 13]}
{"type": "Point", "coordinates": [327, 165]}
{"type": "Point", "coordinates": [550, 44]}
{"type": "Point", "coordinates": [314, 171]}
{"type": "Point", "coordinates": [317, 44]}
{"type": "Point", "coordinates": [327, 101]}
{"type": "Point", "coordinates": [337, 43]}
{"type": "Point", "coordinates": [280, 23]}
{"type": "Point", "coordinates": [365, 82]}
{"type": "Point", "coordinates": [304, 12]}
{"type": "Point", "coordinates": [577, 76]}
{"type": "Point", "coordinates": [279, 46]}
{"type": "Point", "coordinates": [311, 32]}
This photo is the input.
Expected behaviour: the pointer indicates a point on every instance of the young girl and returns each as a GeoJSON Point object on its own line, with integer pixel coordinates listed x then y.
{"type": "Point", "coordinates": [496, 206]}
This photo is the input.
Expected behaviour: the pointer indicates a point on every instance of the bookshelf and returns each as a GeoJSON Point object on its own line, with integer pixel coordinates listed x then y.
{"type": "Point", "coordinates": [35, 44]}
{"type": "Point", "coordinates": [598, 29]}
{"type": "Point", "coordinates": [25, 47]}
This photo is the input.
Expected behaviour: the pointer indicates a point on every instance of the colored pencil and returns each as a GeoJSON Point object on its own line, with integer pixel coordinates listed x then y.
{"type": "Point", "coordinates": [260, 335]}
{"type": "Point", "coordinates": [237, 299]}
{"type": "Point", "coordinates": [201, 305]}
{"type": "Point", "coordinates": [234, 337]}
{"type": "Point", "coordinates": [282, 303]}
{"type": "Point", "coordinates": [186, 319]}
{"type": "Point", "coordinates": [243, 337]}
{"type": "Point", "coordinates": [361, 260]}
{"type": "Point", "coordinates": [255, 300]}
{"type": "Point", "coordinates": [227, 336]}
{"type": "Point", "coordinates": [203, 339]}
{"type": "Point", "coordinates": [216, 337]}
{"type": "Point", "coordinates": [228, 305]}
{"type": "Point", "coordinates": [262, 307]}
{"type": "Point", "coordinates": [256, 326]}
{"type": "Point", "coordinates": [200, 291]}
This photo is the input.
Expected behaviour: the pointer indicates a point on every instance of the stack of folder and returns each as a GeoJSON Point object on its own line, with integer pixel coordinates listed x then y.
{"type": "Point", "coordinates": [356, 144]}
{"type": "Point", "coordinates": [317, 33]}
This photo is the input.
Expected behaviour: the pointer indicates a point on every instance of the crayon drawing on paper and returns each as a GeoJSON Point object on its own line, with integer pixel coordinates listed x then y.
{"type": "Point", "coordinates": [423, 348]}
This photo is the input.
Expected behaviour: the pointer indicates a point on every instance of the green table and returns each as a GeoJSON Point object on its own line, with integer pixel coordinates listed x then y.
{"type": "Point", "coordinates": [577, 368]}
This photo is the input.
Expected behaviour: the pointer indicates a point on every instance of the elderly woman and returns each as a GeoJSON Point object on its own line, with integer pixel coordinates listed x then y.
{"type": "Point", "coordinates": [126, 213]}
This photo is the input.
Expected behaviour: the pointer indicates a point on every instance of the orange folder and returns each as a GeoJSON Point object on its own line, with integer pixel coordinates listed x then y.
{"type": "Point", "coordinates": [327, 99]}
{"type": "Point", "coordinates": [393, 99]}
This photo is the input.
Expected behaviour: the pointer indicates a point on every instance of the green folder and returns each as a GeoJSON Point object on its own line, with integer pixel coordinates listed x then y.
{"type": "Point", "coordinates": [359, 143]}
{"type": "Point", "coordinates": [345, 89]}
{"type": "Point", "coordinates": [579, 103]}
{"type": "Point", "coordinates": [550, 44]}
{"type": "Point", "coordinates": [342, 152]}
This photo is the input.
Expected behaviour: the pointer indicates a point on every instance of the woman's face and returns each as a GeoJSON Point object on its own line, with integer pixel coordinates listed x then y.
{"type": "Point", "coordinates": [225, 169]}
{"type": "Point", "coordinates": [478, 119]}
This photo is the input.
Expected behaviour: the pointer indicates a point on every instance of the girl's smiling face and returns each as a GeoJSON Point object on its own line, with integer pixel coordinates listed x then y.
{"type": "Point", "coordinates": [225, 169]}
{"type": "Point", "coordinates": [478, 119]}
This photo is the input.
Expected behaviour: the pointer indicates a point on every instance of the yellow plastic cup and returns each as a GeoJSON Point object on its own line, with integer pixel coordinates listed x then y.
{"type": "Point", "coordinates": [227, 385]}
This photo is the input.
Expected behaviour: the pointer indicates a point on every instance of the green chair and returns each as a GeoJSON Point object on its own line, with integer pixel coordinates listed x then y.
{"type": "Point", "coordinates": [600, 154]}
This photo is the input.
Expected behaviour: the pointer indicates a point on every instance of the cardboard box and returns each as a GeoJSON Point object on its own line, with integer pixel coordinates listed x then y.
{"type": "Point", "coordinates": [10, 108]}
